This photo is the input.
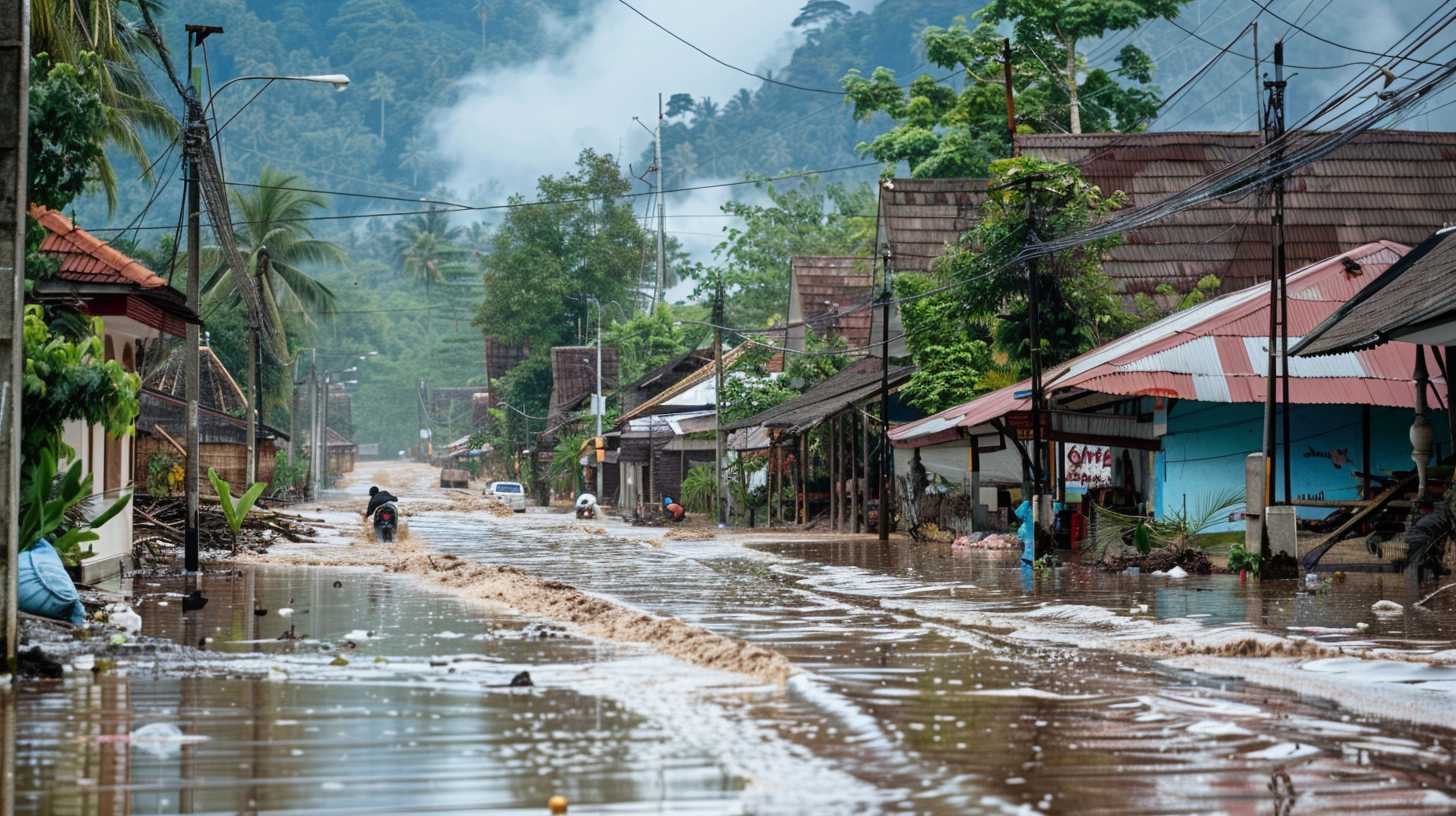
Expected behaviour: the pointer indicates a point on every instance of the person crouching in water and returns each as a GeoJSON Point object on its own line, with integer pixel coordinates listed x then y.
{"type": "Point", "coordinates": [586, 506]}
{"type": "Point", "coordinates": [672, 510]}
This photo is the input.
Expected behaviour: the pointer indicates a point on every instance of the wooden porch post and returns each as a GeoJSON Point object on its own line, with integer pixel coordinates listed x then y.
{"type": "Point", "coordinates": [803, 509]}
{"type": "Point", "coordinates": [978, 515]}
{"type": "Point", "coordinates": [833, 454]}
{"type": "Point", "coordinates": [864, 425]}
{"type": "Point", "coordinates": [854, 472]}
{"type": "Point", "coordinates": [1365, 451]}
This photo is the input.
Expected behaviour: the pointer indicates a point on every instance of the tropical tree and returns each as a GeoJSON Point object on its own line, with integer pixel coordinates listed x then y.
{"type": "Point", "coordinates": [273, 215]}
{"type": "Point", "coordinates": [943, 132]}
{"type": "Point", "coordinates": [414, 158]}
{"type": "Point", "coordinates": [426, 247]}
{"type": "Point", "coordinates": [66, 31]}
{"type": "Point", "coordinates": [381, 89]}
{"type": "Point", "coordinates": [817, 12]}
{"type": "Point", "coordinates": [1068, 22]}
{"type": "Point", "coordinates": [679, 104]}
{"type": "Point", "coordinates": [808, 219]}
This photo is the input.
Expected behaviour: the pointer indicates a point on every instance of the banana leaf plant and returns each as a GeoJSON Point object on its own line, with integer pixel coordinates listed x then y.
{"type": "Point", "coordinates": [234, 511]}
{"type": "Point", "coordinates": [47, 500]}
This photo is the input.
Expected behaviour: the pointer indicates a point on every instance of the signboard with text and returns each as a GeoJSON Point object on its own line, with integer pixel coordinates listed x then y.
{"type": "Point", "coordinates": [1087, 467]}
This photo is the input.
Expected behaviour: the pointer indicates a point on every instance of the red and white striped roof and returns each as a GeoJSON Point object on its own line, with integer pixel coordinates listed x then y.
{"type": "Point", "coordinates": [1216, 352]}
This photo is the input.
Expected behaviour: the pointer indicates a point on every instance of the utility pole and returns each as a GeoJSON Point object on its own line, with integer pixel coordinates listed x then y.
{"type": "Point", "coordinates": [315, 434]}
{"type": "Point", "coordinates": [1034, 336]}
{"type": "Point", "coordinates": [324, 431]}
{"type": "Point", "coordinates": [718, 400]}
{"type": "Point", "coordinates": [254, 401]}
{"type": "Point", "coordinates": [885, 460]}
{"type": "Point", "coordinates": [598, 402]}
{"type": "Point", "coordinates": [661, 293]}
{"type": "Point", "coordinates": [193, 142]}
{"type": "Point", "coordinates": [1277, 362]}
{"type": "Point", "coordinates": [1010, 94]}
{"type": "Point", "coordinates": [14, 139]}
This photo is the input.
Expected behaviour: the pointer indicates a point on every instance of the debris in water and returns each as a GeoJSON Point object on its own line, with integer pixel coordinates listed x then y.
{"type": "Point", "coordinates": [522, 680]}
{"type": "Point", "coordinates": [338, 661]}
{"type": "Point", "coordinates": [1386, 608]}
{"type": "Point", "coordinates": [36, 663]}
{"type": "Point", "coordinates": [123, 616]}
{"type": "Point", "coordinates": [338, 585]}
{"type": "Point", "coordinates": [1362, 626]}
{"type": "Point", "coordinates": [259, 612]}
{"type": "Point", "coordinates": [161, 740]}
{"type": "Point", "coordinates": [285, 612]}
{"type": "Point", "coordinates": [193, 602]}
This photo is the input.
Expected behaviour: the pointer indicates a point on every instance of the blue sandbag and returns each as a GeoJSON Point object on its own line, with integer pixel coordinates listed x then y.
{"type": "Point", "coordinates": [46, 589]}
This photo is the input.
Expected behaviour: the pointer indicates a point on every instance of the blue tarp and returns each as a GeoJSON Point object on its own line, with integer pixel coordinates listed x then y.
{"type": "Point", "coordinates": [46, 588]}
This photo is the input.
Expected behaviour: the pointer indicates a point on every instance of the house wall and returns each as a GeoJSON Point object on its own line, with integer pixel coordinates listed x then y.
{"type": "Point", "coordinates": [108, 461]}
{"type": "Point", "coordinates": [1204, 450]}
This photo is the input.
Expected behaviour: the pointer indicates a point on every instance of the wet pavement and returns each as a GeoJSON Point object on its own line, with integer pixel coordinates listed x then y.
{"type": "Point", "coordinates": [929, 682]}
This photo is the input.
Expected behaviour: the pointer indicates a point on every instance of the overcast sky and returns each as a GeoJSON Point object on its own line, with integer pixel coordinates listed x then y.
{"type": "Point", "coordinates": [513, 125]}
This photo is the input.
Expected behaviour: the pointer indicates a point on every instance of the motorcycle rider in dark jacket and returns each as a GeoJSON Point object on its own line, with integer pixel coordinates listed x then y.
{"type": "Point", "coordinates": [377, 499]}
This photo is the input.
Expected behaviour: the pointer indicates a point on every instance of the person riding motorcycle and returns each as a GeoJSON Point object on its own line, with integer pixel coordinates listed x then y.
{"type": "Point", "coordinates": [377, 499]}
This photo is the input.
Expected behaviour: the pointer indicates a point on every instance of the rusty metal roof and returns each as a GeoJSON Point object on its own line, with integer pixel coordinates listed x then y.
{"type": "Point", "coordinates": [835, 394]}
{"type": "Point", "coordinates": [1413, 300]}
{"type": "Point", "coordinates": [1216, 352]}
{"type": "Point", "coordinates": [1385, 185]}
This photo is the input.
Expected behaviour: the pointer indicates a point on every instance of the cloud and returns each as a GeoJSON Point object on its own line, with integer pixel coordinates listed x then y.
{"type": "Point", "coordinates": [515, 124]}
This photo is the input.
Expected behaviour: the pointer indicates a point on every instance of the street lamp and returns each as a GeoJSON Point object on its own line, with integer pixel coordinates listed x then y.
{"type": "Point", "coordinates": [193, 143]}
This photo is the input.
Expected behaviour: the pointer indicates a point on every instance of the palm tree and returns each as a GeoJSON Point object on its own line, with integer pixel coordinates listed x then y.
{"type": "Point", "coordinates": [271, 215]}
{"type": "Point", "coordinates": [67, 30]}
{"type": "Point", "coordinates": [381, 90]}
{"type": "Point", "coordinates": [427, 247]}
{"type": "Point", "coordinates": [415, 157]}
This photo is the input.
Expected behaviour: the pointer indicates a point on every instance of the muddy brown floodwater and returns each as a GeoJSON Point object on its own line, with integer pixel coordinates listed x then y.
{"type": "Point", "coordinates": [922, 682]}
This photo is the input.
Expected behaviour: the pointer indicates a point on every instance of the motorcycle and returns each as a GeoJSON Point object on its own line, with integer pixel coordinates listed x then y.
{"type": "Point", "coordinates": [386, 522]}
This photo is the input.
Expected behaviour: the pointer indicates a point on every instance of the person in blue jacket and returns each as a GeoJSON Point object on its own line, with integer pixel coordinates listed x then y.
{"type": "Point", "coordinates": [1024, 532]}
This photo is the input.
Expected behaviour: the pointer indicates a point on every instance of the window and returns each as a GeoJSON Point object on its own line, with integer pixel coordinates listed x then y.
{"type": "Point", "coordinates": [508, 487]}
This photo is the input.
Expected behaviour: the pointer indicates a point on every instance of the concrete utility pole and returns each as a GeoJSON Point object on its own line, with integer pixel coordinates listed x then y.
{"type": "Point", "coordinates": [661, 294]}
{"type": "Point", "coordinates": [1278, 303]}
{"type": "Point", "coordinates": [718, 402]}
{"type": "Point", "coordinates": [14, 136]}
{"type": "Point", "coordinates": [599, 405]}
{"type": "Point", "coordinates": [254, 401]}
{"type": "Point", "coordinates": [1038, 457]}
{"type": "Point", "coordinates": [886, 462]}
{"type": "Point", "coordinates": [193, 142]}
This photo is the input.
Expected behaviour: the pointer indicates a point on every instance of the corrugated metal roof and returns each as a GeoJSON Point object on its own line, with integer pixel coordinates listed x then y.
{"type": "Point", "coordinates": [1216, 352]}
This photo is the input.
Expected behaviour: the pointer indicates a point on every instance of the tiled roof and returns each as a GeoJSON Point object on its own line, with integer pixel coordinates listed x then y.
{"type": "Point", "coordinates": [574, 376]}
{"type": "Point", "coordinates": [1413, 299]}
{"type": "Point", "coordinates": [832, 292]}
{"type": "Point", "coordinates": [220, 392]}
{"type": "Point", "coordinates": [920, 217]}
{"type": "Point", "coordinates": [84, 258]}
{"type": "Point", "coordinates": [1385, 185]}
{"type": "Point", "coordinates": [502, 356]}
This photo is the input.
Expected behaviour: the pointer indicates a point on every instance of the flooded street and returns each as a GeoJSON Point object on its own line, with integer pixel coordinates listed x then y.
{"type": "Point", "coordinates": [925, 682]}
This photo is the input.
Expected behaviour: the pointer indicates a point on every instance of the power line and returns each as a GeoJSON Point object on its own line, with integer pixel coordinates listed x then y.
{"type": "Point", "coordinates": [1295, 25]}
{"type": "Point", "coordinates": [523, 204]}
{"type": "Point", "coordinates": [730, 66]}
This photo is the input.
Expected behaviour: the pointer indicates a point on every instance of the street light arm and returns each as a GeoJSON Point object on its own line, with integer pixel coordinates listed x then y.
{"type": "Point", "coordinates": [339, 81]}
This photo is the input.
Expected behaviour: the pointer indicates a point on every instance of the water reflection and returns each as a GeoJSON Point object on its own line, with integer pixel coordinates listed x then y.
{"type": "Point", "coordinates": [397, 734]}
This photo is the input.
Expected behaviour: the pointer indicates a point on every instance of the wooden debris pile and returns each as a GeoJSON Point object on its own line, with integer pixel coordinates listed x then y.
{"type": "Point", "coordinates": [158, 523]}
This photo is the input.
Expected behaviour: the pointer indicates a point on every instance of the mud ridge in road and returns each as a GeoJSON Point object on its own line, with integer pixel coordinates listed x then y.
{"type": "Point", "coordinates": [592, 616]}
